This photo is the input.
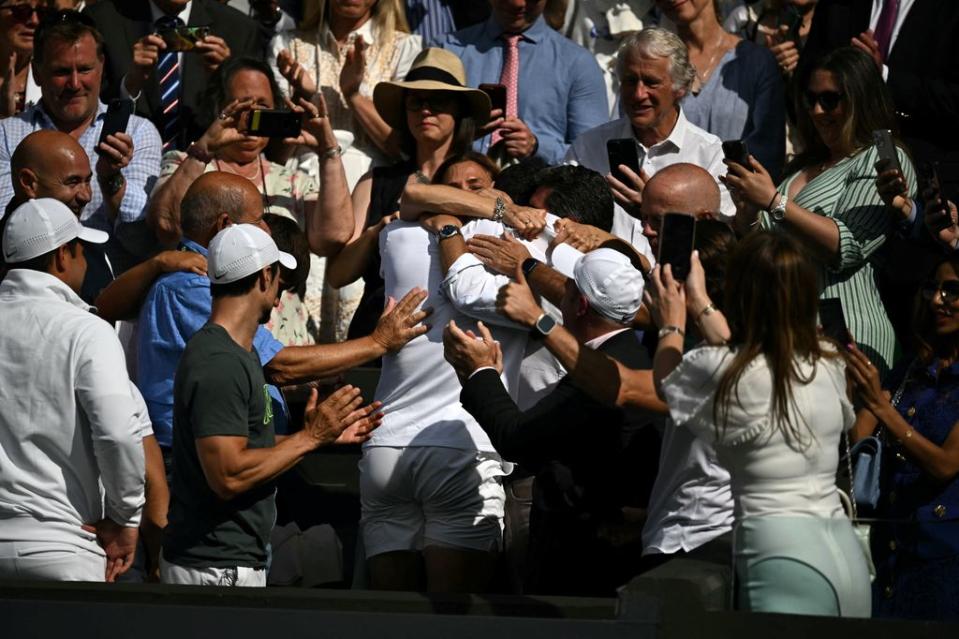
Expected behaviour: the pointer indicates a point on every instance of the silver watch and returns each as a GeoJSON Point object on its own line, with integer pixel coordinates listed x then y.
{"type": "Point", "coordinates": [778, 212]}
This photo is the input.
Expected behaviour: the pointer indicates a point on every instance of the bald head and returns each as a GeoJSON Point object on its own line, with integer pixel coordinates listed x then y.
{"type": "Point", "coordinates": [52, 164]}
{"type": "Point", "coordinates": [678, 188]}
{"type": "Point", "coordinates": [217, 199]}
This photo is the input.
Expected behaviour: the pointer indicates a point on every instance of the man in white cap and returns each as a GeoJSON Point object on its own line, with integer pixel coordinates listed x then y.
{"type": "Point", "coordinates": [225, 451]}
{"type": "Point", "coordinates": [71, 460]}
{"type": "Point", "coordinates": [594, 464]}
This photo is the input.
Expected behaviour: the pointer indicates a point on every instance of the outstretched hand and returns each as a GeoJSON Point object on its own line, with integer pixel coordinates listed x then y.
{"type": "Point", "coordinates": [400, 321]}
{"type": "Point", "coordinates": [467, 352]}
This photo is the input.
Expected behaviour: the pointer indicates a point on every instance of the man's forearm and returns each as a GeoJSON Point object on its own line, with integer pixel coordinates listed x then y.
{"type": "Point", "coordinates": [450, 250]}
{"type": "Point", "coordinates": [439, 198]}
{"type": "Point", "coordinates": [231, 473]}
{"type": "Point", "coordinates": [122, 298]}
{"type": "Point", "coordinates": [549, 283]}
{"type": "Point", "coordinates": [300, 364]}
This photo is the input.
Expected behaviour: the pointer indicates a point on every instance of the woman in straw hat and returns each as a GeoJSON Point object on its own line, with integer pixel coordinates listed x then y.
{"type": "Point", "coordinates": [433, 115]}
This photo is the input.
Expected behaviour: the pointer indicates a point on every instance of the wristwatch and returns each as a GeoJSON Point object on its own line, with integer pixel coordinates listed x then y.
{"type": "Point", "coordinates": [529, 264]}
{"type": "Point", "coordinates": [111, 184]}
{"type": "Point", "coordinates": [448, 231]}
{"type": "Point", "coordinates": [778, 212]}
{"type": "Point", "coordinates": [544, 326]}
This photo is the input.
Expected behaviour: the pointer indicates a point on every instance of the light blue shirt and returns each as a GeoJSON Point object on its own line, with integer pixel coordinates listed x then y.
{"type": "Point", "coordinates": [177, 306]}
{"type": "Point", "coordinates": [141, 174]}
{"type": "Point", "coordinates": [561, 89]}
{"type": "Point", "coordinates": [744, 99]}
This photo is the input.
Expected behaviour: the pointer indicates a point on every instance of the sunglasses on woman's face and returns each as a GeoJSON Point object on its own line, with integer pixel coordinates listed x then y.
{"type": "Point", "coordinates": [23, 12]}
{"type": "Point", "coordinates": [948, 290]}
{"type": "Point", "coordinates": [433, 102]}
{"type": "Point", "coordinates": [828, 100]}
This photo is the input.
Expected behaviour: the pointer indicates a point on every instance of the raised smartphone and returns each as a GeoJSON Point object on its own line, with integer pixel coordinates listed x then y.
{"type": "Point", "coordinates": [116, 119]}
{"type": "Point", "coordinates": [676, 238]}
{"type": "Point", "coordinates": [623, 151]}
{"type": "Point", "coordinates": [271, 123]}
{"type": "Point", "coordinates": [886, 149]}
{"type": "Point", "coordinates": [737, 151]}
{"type": "Point", "coordinates": [183, 38]}
{"type": "Point", "coordinates": [833, 320]}
{"type": "Point", "coordinates": [497, 95]}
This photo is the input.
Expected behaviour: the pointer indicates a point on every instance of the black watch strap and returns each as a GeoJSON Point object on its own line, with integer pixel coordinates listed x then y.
{"type": "Point", "coordinates": [529, 264]}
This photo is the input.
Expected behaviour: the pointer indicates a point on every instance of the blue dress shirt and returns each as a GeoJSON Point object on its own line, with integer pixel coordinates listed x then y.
{"type": "Point", "coordinates": [141, 174]}
{"type": "Point", "coordinates": [177, 306]}
{"type": "Point", "coordinates": [561, 89]}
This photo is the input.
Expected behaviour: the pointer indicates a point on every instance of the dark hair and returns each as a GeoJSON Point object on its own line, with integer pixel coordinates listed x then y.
{"type": "Point", "coordinates": [290, 239]}
{"type": "Point", "coordinates": [214, 99]}
{"type": "Point", "coordinates": [866, 99]}
{"type": "Point", "coordinates": [924, 334]}
{"type": "Point", "coordinates": [715, 240]}
{"type": "Point", "coordinates": [518, 181]}
{"type": "Point", "coordinates": [470, 156]}
{"type": "Point", "coordinates": [242, 286]}
{"type": "Point", "coordinates": [463, 134]}
{"type": "Point", "coordinates": [43, 262]}
{"type": "Point", "coordinates": [771, 303]}
{"type": "Point", "coordinates": [66, 26]}
{"type": "Point", "coordinates": [578, 193]}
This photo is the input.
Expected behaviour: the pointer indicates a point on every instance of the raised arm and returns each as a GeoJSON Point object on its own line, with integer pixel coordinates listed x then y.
{"type": "Point", "coordinates": [123, 297]}
{"type": "Point", "coordinates": [351, 261]}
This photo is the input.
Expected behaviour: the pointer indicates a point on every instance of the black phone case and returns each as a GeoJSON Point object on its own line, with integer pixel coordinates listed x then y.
{"type": "Point", "coordinates": [833, 320]}
{"type": "Point", "coordinates": [497, 95]}
{"type": "Point", "coordinates": [274, 123]}
{"type": "Point", "coordinates": [736, 151]}
{"type": "Point", "coordinates": [622, 151]}
{"type": "Point", "coordinates": [677, 251]}
{"type": "Point", "coordinates": [117, 117]}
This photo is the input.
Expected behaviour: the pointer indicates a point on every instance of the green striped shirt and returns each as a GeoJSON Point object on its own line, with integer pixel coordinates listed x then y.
{"type": "Point", "coordinates": [846, 193]}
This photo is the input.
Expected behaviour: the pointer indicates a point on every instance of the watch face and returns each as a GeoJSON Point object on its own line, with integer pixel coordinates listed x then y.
{"type": "Point", "coordinates": [545, 324]}
{"type": "Point", "coordinates": [448, 231]}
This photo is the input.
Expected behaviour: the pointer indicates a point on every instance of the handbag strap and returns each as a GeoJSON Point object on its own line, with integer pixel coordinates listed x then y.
{"type": "Point", "coordinates": [852, 477]}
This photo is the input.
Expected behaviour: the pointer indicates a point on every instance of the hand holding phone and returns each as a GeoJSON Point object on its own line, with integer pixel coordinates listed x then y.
{"type": "Point", "coordinates": [886, 149]}
{"type": "Point", "coordinates": [676, 240]}
{"type": "Point", "coordinates": [833, 321]}
{"type": "Point", "coordinates": [116, 120]}
{"type": "Point", "coordinates": [271, 123]}
{"type": "Point", "coordinates": [183, 38]}
{"type": "Point", "coordinates": [624, 151]}
{"type": "Point", "coordinates": [737, 151]}
{"type": "Point", "coordinates": [497, 96]}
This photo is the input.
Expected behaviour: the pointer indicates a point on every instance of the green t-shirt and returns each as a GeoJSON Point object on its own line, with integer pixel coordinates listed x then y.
{"type": "Point", "coordinates": [219, 389]}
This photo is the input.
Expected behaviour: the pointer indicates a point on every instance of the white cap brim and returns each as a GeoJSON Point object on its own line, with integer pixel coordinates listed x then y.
{"type": "Point", "coordinates": [287, 260]}
{"type": "Point", "coordinates": [93, 236]}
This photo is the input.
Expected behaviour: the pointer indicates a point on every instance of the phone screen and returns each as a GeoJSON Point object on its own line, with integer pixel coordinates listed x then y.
{"type": "Point", "coordinates": [736, 151]}
{"type": "Point", "coordinates": [117, 117]}
{"type": "Point", "coordinates": [676, 237]}
{"type": "Point", "coordinates": [833, 320]}
{"type": "Point", "coordinates": [275, 123]}
{"type": "Point", "coordinates": [497, 95]}
{"type": "Point", "coordinates": [886, 149]}
{"type": "Point", "coordinates": [623, 151]}
{"type": "Point", "coordinates": [183, 38]}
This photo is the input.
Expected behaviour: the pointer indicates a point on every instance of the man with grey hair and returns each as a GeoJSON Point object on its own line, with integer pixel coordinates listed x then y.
{"type": "Point", "coordinates": [654, 74]}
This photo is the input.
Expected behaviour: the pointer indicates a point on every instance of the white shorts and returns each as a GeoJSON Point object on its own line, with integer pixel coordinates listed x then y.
{"type": "Point", "coordinates": [49, 561]}
{"type": "Point", "coordinates": [240, 576]}
{"type": "Point", "coordinates": [430, 496]}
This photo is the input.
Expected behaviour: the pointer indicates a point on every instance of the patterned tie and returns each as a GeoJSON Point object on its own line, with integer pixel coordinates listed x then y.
{"type": "Point", "coordinates": [509, 78]}
{"type": "Point", "coordinates": [885, 26]}
{"type": "Point", "coordinates": [168, 72]}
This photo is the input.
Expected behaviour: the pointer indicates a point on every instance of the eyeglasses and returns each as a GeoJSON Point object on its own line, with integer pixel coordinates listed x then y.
{"type": "Point", "coordinates": [828, 100]}
{"type": "Point", "coordinates": [23, 12]}
{"type": "Point", "coordinates": [433, 102]}
{"type": "Point", "coordinates": [948, 290]}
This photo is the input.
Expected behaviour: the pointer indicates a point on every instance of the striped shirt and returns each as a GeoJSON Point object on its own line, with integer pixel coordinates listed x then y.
{"type": "Point", "coordinates": [846, 193]}
{"type": "Point", "coordinates": [431, 19]}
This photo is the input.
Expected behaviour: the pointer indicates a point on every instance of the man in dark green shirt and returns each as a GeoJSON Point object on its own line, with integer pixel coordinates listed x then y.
{"type": "Point", "coordinates": [225, 453]}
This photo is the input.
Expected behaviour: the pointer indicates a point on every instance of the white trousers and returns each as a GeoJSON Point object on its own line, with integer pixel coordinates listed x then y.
{"type": "Point", "coordinates": [49, 561]}
{"type": "Point", "coordinates": [240, 576]}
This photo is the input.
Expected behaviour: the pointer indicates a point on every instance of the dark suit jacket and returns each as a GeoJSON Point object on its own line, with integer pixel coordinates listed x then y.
{"type": "Point", "coordinates": [123, 22]}
{"type": "Point", "coordinates": [923, 72]}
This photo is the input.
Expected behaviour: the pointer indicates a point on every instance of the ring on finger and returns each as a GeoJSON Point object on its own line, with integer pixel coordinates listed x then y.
{"type": "Point", "coordinates": [223, 115]}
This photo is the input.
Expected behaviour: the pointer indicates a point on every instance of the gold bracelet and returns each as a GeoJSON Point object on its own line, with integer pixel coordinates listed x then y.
{"type": "Point", "coordinates": [709, 310]}
{"type": "Point", "coordinates": [908, 434]}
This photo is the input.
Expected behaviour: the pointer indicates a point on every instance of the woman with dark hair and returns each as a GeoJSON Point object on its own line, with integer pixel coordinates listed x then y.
{"type": "Point", "coordinates": [772, 399]}
{"type": "Point", "coordinates": [434, 115]}
{"type": "Point", "coordinates": [917, 408]}
{"type": "Point", "coordinates": [829, 199]}
{"type": "Point", "coordinates": [238, 87]}
{"type": "Point", "coordinates": [470, 171]}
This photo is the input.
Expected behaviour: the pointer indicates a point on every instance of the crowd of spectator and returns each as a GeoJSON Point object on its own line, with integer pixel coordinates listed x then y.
{"type": "Point", "coordinates": [634, 278]}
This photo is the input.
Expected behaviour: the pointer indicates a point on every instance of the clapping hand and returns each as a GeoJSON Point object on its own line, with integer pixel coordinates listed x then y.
{"type": "Point", "coordinates": [467, 352]}
{"type": "Point", "coordinates": [339, 418]}
{"type": "Point", "coordinates": [301, 82]}
{"type": "Point", "coordinates": [354, 68]}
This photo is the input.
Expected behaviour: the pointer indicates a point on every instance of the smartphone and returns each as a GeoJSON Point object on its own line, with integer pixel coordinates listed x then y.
{"type": "Point", "coordinates": [833, 320]}
{"type": "Point", "coordinates": [183, 38]}
{"type": "Point", "coordinates": [930, 190]}
{"type": "Point", "coordinates": [676, 238]}
{"type": "Point", "coordinates": [116, 119]}
{"type": "Point", "coordinates": [737, 151]}
{"type": "Point", "coordinates": [497, 95]}
{"type": "Point", "coordinates": [271, 123]}
{"type": "Point", "coordinates": [793, 21]}
{"type": "Point", "coordinates": [624, 151]}
{"type": "Point", "coordinates": [886, 148]}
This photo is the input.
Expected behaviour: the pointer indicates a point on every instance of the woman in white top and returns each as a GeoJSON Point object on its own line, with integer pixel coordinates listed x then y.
{"type": "Point", "coordinates": [771, 395]}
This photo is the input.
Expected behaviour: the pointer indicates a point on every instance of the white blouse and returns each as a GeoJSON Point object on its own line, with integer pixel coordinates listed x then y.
{"type": "Point", "coordinates": [770, 473]}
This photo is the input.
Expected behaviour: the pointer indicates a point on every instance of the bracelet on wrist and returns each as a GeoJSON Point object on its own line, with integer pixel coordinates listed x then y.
{"type": "Point", "coordinates": [669, 329]}
{"type": "Point", "coordinates": [331, 153]}
{"type": "Point", "coordinates": [199, 153]}
{"type": "Point", "coordinates": [499, 210]}
{"type": "Point", "coordinates": [772, 201]}
{"type": "Point", "coordinates": [709, 310]}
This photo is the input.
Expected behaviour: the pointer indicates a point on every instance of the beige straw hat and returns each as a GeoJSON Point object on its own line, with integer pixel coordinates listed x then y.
{"type": "Point", "coordinates": [432, 70]}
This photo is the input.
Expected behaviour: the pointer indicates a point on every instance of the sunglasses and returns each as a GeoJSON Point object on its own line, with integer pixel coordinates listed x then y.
{"type": "Point", "coordinates": [435, 102]}
{"type": "Point", "coordinates": [828, 100]}
{"type": "Point", "coordinates": [948, 290]}
{"type": "Point", "coordinates": [23, 12]}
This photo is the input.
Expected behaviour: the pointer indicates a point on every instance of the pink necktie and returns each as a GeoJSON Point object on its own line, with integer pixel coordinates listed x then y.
{"type": "Point", "coordinates": [509, 77]}
{"type": "Point", "coordinates": [885, 26]}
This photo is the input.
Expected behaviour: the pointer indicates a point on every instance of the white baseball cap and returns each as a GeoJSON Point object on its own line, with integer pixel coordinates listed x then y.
{"type": "Point", "coordinates": [243, 249]}
{"type": "Point", "coordinates": [39, 226]}
{"type": "Point", "coordinates": [611, 284]}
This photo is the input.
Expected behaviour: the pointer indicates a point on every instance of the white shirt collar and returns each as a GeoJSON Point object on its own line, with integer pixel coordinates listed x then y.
{"type": "Point", "coordinates": [28, 283]}
{"type": "Point", "coordinates": [596, 342]}
{"type": "Point", "coordinates": [366, 30]}
{"type": "Point", "coordinates": [184, 15]}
